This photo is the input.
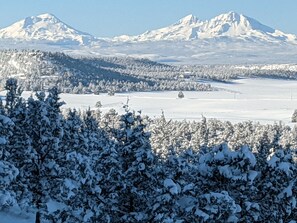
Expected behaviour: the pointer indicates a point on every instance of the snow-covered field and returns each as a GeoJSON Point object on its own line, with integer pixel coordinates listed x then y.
{"type": "Point", "coordinates": [264, 100]}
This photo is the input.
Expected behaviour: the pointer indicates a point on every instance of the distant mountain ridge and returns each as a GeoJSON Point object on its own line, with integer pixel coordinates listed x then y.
{"type": "Point", "coordinates": [46, 27]}
{"type": "Point", "coordinates": [49, 29]}
{"type": "Point", "coordinates": [230, 25]}
{"type": "Point", "coordinates": [228, 38]}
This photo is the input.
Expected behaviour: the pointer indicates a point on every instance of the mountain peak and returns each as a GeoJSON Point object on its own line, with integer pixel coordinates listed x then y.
{"type": "Point", "coordinates": [46, 15]}
{"type": "Point", "coordinates": [45, 18]}
{"type": "Point", "coordinates": [229, 17]}
{"type": "Point", "coordinates": [189, 20]}
{"type": "Point", "coordinates": [233, 14]}
{"type": "Point", "coordinates": [228, 26]}
{"type": "Point", "coordinates": [45, 27]}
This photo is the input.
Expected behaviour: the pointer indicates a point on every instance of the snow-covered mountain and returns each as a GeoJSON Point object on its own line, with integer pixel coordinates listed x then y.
{"type": "Point", "coordinates": [45, 28]}
{"type": "Point", "coordinates": [225, 26]}
{"type": "Point", "coordinates": [184, 29]}
{"type": "Point", "coordinates": [227, 38]}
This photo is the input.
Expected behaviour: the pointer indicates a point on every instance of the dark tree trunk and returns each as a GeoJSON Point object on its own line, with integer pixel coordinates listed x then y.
{"type": "Point", "coordinates": [37, 219]}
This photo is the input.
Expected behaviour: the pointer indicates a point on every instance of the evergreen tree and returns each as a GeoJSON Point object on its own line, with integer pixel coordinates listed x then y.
{"type": "Point", "coordinates": [181, 94]}
{"type": "Point", "coordinates": [8, 172]}
{"type": "Point", "coordinates": [91, 132]}
{"type": "Point", "coordinates": [12, 96]}
{"type": "Point", "coordinates": [277, 187]}
{"type": "Point", "coordinates": [21, 153]}
{"type": "Point", "coordinates": [294, 116]}
{"type": "Point", "coordinates": [137, 168]}
{"type": "Point", "coordinates": [203, 133]}
{"type": "Point", "coordinates": [45, 135]}
{"type": "Point", "coordinates": [160, 139]}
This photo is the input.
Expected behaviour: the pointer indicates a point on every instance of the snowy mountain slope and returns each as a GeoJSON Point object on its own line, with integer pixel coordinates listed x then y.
{"type": "Point", "coordinates": [47, 28]}
{"type": "Point", "coordinates": [184, 29]}
{"type": "Point", "coordinates": [227, 38]}
{"type": "Point", "coordinates": [230, 25]}
{"type": "Point", "coordinates": [207, 51]}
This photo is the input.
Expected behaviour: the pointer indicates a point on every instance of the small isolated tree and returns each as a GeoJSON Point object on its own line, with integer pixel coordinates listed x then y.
{"type": "Point", "coordinates": [294, 116]}
{"type": "Point", "coordinates": [98, 104]}
{"type": "Point", "coordinates": [181, 94]}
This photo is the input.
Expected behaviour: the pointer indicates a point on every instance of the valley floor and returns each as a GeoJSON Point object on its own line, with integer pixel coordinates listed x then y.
{"type": "Point", "coordinates": [263, 100]}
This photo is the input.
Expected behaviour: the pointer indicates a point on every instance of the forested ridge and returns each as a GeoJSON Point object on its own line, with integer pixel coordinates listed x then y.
{"type": "Point", "coordinates": [38, 70]}
{"type": "Point", "coordinates": [108, 167]}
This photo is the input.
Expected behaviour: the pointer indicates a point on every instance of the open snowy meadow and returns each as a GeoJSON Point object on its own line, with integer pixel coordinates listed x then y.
{"type": "Point", "coordinates": [263, 100]}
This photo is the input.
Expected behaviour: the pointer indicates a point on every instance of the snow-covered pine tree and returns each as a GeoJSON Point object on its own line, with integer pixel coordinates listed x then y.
{"type": "Point", "coordinates": [91, 132]}
{"type": "Point", "coordinates": [216, 207]}
{"type": "Point", "coordinates": [227, 132]}
{"type": "Point", "coordinates": [233, 171]}
{"type": "Point", "coordinates": [107, 181]}
{"type": "Point", "coordinates": [82, 183]}
{"type": "Point", "coordinates": [98, 104]}
{"type": "Point", "coordinates": [161, 134]}
{"type": "Point", "coordinates": [73, 157]}
{"type": "Point", "coordinates": [203, 133]}
{"type": "Point", "coordinates": [180, 94]}
{"type": "Point", "coordinates": [294, 116]}
{"type": "Point", "coordinates": [110, 122]}
{"type": "Point", "coordinates": [19, 145]}
{"type": "Point", "coordinates": [12, 96]}
{"type": "Point", "coordinates": [277, 187]}
{"type": "Point", "coordinates": [45, 132]}
{"type": "Point", "coordinates": [73, 138]}
{"type": "Point", "coordinates": [214, 129]}
{"type": "Point", "coordinates": [262, 147]}
{"type": "Point", "coordinates": [241, 135]}
{"type": "Point", "coordinates": [174, 191]}
{"type": "Point", "coordinates": [287, 138]}
{"type": "Point", "coordinates": [92, 172]}
{"type": "Point", "coordinates": [8, 172]}
{"type": "Point", "coordinates": [138, 178]}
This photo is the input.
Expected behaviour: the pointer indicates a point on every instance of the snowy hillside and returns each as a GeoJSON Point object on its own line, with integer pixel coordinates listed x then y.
{"type": "Point", "coordinates": [229, 25]}
{"type": "Point", "coordinates": [37, 70]}
{"type": "Point", "coordinates": [47, 28]}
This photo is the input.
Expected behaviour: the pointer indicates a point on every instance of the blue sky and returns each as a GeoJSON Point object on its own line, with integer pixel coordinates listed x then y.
{"type": "Point", "coordinates": [106, 18]}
